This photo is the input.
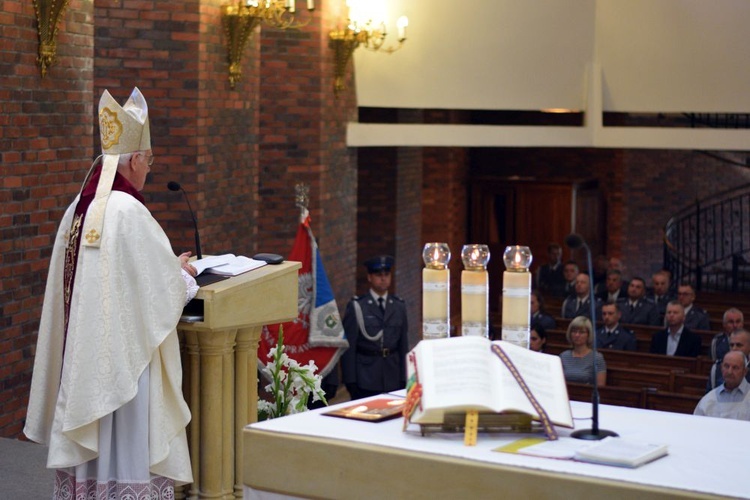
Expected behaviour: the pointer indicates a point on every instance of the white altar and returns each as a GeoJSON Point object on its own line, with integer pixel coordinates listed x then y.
{"type": "Point", "coordinates": [315, 455]}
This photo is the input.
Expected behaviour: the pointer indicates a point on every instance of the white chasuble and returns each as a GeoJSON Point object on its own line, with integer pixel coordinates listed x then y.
{"type": "Point", "coordinates": [126, 302]}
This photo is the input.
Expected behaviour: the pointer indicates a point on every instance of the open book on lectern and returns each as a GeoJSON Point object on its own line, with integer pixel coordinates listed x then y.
{"type": "Point", "coordinates": [227, 264]}
{"type": "Point", "coordinates": [459, 374]}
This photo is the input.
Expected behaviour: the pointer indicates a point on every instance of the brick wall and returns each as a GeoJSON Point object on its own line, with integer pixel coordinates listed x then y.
{"type": "Point", "coordinates": [45, 145]}
{"type": "Point", "coordinates": [408, 241]}
{"type": "Point", "coordinates": [377, 191]}
{"type": "Point", "coordinates": [444, 216]}
{"type": "Point", "coordinates": [204, 134]}
{"type": "Point", "coordinates": [389, 221]}
{"type": "Point", "coordinates": [302, 127]}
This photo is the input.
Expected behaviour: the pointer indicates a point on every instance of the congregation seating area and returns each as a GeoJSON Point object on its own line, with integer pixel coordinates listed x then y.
{"type": "Point", "coordinates": [643, 380]}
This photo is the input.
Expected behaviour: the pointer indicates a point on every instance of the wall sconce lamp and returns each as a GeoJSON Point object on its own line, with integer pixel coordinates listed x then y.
{"type": "Point", "coordinates": [369, 34]}
{"type": "Point", "coordinates": [239, 19]}
{"type": "Point", "coordinates": [48, 14]}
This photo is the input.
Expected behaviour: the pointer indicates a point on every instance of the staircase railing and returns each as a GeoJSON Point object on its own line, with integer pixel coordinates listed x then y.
{"type": "Point", "coordinates": [708, 243]}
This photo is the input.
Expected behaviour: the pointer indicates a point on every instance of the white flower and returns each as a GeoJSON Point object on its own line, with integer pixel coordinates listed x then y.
{"type": "Point", "coordinates": [291, 384]}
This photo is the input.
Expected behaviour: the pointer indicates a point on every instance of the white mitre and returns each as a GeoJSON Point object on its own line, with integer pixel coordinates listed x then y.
{"type": "Point", "coordinates": [123, 129]}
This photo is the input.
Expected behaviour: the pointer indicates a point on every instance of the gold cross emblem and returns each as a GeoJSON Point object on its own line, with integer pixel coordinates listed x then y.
{"type": "Point", "coordinates": [92, 236]}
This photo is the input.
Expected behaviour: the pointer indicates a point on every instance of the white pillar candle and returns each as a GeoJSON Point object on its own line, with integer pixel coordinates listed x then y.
{"type": "Point", "coordinates": [474, 303]}
{"type": "Point", "coordinates": [435, 303]}
{"type": "Point", "coordinates": [517, 295]}
{"type": "Point", "coordinates": [516, 307]}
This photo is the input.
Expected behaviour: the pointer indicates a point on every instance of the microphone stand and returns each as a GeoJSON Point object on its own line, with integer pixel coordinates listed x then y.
{"type": "Point", "coordinates": [593, 434]}
{"type": "Point", "coordinates": [176, 186]}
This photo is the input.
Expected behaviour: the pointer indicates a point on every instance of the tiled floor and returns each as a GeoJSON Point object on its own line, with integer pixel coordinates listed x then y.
{"type": "Point", "coordinates": [23, 475]}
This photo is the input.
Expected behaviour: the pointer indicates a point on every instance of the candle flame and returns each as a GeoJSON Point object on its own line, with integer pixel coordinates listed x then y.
{"type": "Point", "coordinates": [517, 258]}
{"type": "Point", "coordinates": [436, 255]}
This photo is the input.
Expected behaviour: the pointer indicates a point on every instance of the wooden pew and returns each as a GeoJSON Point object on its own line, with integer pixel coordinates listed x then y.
{"type": "Point", "coordinates": [670, 401]}
{"type": "Point", "coordinates": [688, 383]}
{"type": "Point", "coordinates": [608, 395]}
{"type": "Point", "coordinates": [636, 398]}
{"type": "Point", "coordinates": [645, 360]}
{"type": "Point", "coordinates": [638, 378]}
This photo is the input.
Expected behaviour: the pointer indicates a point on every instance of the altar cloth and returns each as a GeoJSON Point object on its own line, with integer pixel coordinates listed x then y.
{"type": "Point", "coordinates": [707, 456]}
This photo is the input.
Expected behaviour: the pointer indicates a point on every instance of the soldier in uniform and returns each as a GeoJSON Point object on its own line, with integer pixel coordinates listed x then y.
{"type": "Point", "coordinates": [377, 330]}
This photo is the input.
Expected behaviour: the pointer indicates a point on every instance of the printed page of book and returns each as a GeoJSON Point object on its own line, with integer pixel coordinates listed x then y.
{"type": "Point", "coordinates": [455, 373]}
{"type": "Point", "coordinates": [236, 265]}
{"type": "Point", "coordinates": [215, 260]}
{"type": "Point", "coordinates": [543, 375]}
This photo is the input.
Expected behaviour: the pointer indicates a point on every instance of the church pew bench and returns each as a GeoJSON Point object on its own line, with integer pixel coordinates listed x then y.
{"type": "Point", "coordinates": [671, 401]}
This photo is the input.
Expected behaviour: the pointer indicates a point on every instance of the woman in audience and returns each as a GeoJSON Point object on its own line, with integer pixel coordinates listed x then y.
{"type": "Point", "coordinates": [538, 339]}
{"type": "Point", "coordinates": [578, 362]}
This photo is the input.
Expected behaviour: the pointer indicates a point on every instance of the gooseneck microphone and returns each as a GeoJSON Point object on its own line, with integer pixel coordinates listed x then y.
{"type": "Point", "coordinates": [574, 242]}
{"type": "Point", "coordinates": [175, 186]}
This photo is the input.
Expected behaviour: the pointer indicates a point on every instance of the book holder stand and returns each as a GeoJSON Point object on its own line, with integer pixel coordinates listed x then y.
{"type": "Point", "coordinates": [520, 423]}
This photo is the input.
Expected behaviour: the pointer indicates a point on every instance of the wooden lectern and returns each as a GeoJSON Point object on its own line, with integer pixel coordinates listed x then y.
{"type": "Point", "coordinates": [220, 370]}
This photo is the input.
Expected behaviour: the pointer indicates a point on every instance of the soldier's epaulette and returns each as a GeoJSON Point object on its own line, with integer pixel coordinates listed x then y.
{"type": "Point", "coordinates": [396, 298]}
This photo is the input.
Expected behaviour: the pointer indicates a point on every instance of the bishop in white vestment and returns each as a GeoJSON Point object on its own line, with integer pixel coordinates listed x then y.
{"type": "Point", "coordinates": [106, 391]}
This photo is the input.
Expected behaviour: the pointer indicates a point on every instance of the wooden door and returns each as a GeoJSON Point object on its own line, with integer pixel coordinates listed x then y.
{"type": "Point", "coordinates": [518, 213]}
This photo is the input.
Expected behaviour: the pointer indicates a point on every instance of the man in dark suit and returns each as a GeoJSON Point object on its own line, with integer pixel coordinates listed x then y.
{"type": "Point", "coordinates": [676, 339]}
{"type": "Point", "coordinates": [570, 271]}
{"type": "Point", "coordinates": [695, 317]}
{"type": "Point", "coordinates": [377, 330]}
{"type": "Point", "coordinates": [636, 308]}
{"type": "Point", "coordinates": [579, 304]}
{"type": "Point", "coordinates": [660, 293]}
{"type": "Point", "coordinates": [549, 277]}
{"type": "Point", "coordinates": [612, 335]}
{"type": "Point", "coordinates": [614, 288]}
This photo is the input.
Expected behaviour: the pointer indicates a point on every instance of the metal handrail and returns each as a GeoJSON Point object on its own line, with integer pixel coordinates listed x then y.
{"type": "Point", "coordinates": [703, 243]}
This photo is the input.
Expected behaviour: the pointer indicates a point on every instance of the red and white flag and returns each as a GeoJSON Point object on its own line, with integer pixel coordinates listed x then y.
{"type": "Point", "coordinates": [317, 333]}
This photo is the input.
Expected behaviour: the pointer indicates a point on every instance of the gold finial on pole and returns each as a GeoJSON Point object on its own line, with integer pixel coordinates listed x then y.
{"type": "Point", "coordinates": [301, 196]}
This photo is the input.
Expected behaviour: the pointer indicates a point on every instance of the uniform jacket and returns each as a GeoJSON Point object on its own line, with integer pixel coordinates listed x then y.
{"type": "Point", "coordinates": [644, 312]}
{"type": "Point", "coordinates": [621, 339]}
{"type": "Point", "coordinates": [661, 303]}
{"type": "Point", "coordinates": [697, 319]}
{"type": "Point", "coordinates": [381, 365]}
{"type": "Point", "coordinates": [570, 308]}
{"type": "Point", "coordinates": [544, 320]}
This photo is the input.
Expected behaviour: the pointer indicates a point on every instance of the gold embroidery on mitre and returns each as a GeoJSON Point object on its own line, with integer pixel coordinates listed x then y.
{"type": "Point", "coordinates": [110, 128]}
{"type": "Point", "coordinates": [92, 236]}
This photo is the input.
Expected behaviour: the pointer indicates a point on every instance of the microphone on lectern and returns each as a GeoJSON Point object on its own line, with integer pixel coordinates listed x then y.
{"type": "Point", "coordinates": [574, 242]}
{"type": "Point", "coordinates": [175, 186]}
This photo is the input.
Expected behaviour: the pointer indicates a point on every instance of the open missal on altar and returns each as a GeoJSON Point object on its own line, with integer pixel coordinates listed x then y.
{"type": "Point", "coordinates": [226, 265]}
{"type": "Point", "coordinates": [459, 374]}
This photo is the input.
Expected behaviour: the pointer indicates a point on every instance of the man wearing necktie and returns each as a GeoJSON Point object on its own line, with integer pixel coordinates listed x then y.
{"type": "Point", "coordinates": [636, 308]}
{"type": "Point", "coordinates": [661, 293]}
{"type": "Point", "coordinates": [377, 330]}
{"type": "Point", "coordinates": [579, 304]}
{"type": "Point", "coordinates": [612, 335]}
